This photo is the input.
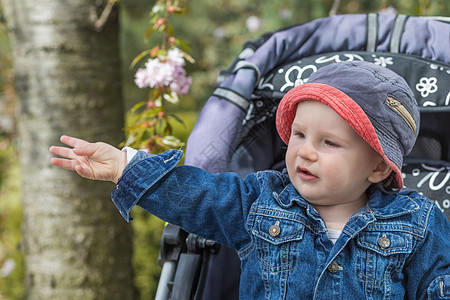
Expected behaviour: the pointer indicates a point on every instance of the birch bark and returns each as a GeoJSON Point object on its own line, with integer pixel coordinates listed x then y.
{"type": "Point", "coordinates": [67, 78]}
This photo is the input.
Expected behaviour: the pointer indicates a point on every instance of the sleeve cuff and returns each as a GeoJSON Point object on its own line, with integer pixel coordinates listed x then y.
{"type": "Point", "coordinates": [130, 153]}
{"type": "Point", "coordinates": [140, 175]}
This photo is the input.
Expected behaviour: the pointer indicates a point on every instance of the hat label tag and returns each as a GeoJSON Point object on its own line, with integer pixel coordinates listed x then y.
{"type": "Point", "coordinates": [402, 111]}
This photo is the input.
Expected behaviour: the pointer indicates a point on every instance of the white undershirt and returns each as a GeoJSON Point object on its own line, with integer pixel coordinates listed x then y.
{"type": "Point", "coordinates": [333, 234]}
{"type": "Point", "coordinates": [130, 153]}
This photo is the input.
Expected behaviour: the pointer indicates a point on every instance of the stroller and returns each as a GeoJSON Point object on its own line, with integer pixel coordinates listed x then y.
{"type": "Point", "coordinates": [236, 128]}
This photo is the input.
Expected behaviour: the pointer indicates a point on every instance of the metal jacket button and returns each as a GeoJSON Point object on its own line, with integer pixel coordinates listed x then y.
{"type": "Point", "coordinates": [275, 229]}
{"type": "Point", "coordinates": [333, 267]}
{"type": "Point", "coordinates": [384, 242]}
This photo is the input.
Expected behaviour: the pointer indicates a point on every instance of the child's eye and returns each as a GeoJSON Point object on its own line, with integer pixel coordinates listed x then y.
{"type": "Point", "coordinates": [299, 134]}
{"type": "Point", "coordinates": [331, 143]}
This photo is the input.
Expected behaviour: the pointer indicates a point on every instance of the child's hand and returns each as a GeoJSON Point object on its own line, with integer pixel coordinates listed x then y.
{"type": "Point", "coordinates": [97, 161]}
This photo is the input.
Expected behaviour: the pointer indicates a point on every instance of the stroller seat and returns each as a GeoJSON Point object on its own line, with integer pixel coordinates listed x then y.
{"type": "Point", "coordinates": [236, 128]}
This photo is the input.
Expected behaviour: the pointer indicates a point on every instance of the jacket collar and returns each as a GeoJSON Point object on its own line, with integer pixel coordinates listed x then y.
{"type": "Point", "coordinates": [381, 204]}
{"type": "Point", "coordinates": [388, 205]}
{"type": "Point", "coordinates": [290, 196]}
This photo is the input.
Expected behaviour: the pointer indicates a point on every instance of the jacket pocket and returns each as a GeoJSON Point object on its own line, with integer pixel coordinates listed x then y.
{"type": "Point", "coordinates": [381, 256]}
{"type": "Point", "coordinates": [277, 241]}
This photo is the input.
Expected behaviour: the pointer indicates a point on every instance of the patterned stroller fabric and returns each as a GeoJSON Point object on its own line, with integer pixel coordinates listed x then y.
{"type": "Point", "coordinates": [236, 128]}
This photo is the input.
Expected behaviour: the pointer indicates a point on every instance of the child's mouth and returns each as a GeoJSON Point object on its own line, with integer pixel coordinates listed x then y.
{"type": "Point", "coordinates": [305, 174]}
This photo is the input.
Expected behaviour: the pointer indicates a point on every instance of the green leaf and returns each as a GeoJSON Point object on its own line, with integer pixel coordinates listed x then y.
{"type": "Point", "coordinates": [178, 119]}
{"type": "Point", "coordinates": [154, 94]}
{"type": "Point", "coordinates": [154, 19]}
{"type": "Point", "coordinates": [137, 106]}
{"type": "Point", "coordinates": [184, 48]}
{"type": "Point", "coordinates": [149, 32]}
{"type": "Point", "coordinates": [129, 141]}
{"type": "Point", "coordinates": [161, 28]}
{"type": "Point", "coordinates": [180, 10]}
{"type": "Point", "coordinates": [168, 128]}
{"type": "Point", "coordinates": [139, 57]}
{"type": "Point", "coordinates": [172, 141]}
{"type": "Point", "coordinates": [160, 124]}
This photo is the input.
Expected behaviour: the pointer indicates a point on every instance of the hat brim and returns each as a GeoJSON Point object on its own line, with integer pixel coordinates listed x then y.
{"type": "Point", "coordinates": [343, 105]}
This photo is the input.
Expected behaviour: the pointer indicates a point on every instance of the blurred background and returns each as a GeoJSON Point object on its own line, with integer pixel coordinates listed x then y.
{"type": "Point", "coordinates": [216, 31]}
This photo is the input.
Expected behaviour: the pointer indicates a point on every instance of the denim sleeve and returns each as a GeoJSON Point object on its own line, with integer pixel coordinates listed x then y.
{"type": "Point", "coordinates": [213, 206]}
{"type": "Point", "coordinates": [428, 272]}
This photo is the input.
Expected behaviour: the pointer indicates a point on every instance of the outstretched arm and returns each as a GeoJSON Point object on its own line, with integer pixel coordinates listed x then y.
{"type": "Point", "coordinates": [98, 161]}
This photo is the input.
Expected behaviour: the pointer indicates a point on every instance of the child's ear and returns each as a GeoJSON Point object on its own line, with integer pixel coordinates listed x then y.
{"type": "Point", "coordinates": [381, 171]}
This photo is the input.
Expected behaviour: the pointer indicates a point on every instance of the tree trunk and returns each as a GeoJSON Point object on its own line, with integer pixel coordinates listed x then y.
{"type": "Point", "coordinates": [67, 77]}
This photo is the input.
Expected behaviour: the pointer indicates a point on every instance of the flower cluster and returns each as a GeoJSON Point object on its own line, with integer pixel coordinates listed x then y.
{"type": "Point", "coordinates": [165, 72]}
{"type": "Point", "coordinates": [148, 124]}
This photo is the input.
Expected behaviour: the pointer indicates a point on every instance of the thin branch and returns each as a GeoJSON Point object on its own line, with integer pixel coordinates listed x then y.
{"type": "Point", "coordinates": [335, 7]}
{"type": "Point", "coordinates": [100, 23]}
{"type": "Point", "coordinates": [166, 30]}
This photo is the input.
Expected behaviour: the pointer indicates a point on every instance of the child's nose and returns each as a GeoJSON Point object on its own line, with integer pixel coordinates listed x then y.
{"type": "Point", "coordinates": [307, 151]}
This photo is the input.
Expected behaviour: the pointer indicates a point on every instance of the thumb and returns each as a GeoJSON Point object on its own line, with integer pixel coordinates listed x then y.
{"type": "Point", "coordinates": [84, 172]}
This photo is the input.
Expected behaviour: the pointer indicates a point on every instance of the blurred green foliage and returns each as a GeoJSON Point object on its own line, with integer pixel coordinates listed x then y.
{"type": "Point", "coordinates": [11, 259]}
{"type": "Point", "coordinates": [216, 31]}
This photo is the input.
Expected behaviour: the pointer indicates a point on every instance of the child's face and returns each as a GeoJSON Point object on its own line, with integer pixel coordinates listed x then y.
{"type": "Point", "coordinates": [327, 161]}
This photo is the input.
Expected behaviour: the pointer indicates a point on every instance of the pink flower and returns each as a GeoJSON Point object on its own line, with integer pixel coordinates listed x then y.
{"type": "Point", "coordinates": [175, 57]}
{"type": "Point", "coordinates": [181, 85]}
{"type": "Point", "coordinates": [169, 73]}
{"type": "Point", "coordinates": [141, 78]}
{"type": "Point", "coordinates": [160, 73]}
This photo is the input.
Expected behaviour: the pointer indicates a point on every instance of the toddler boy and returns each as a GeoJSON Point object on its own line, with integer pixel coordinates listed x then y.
{"type": "Point", "coordinates": [337, 223]}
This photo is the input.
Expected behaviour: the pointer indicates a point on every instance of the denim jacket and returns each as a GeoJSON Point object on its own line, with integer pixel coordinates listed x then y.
{"type": "Point", "coordinates": [397, 246]}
